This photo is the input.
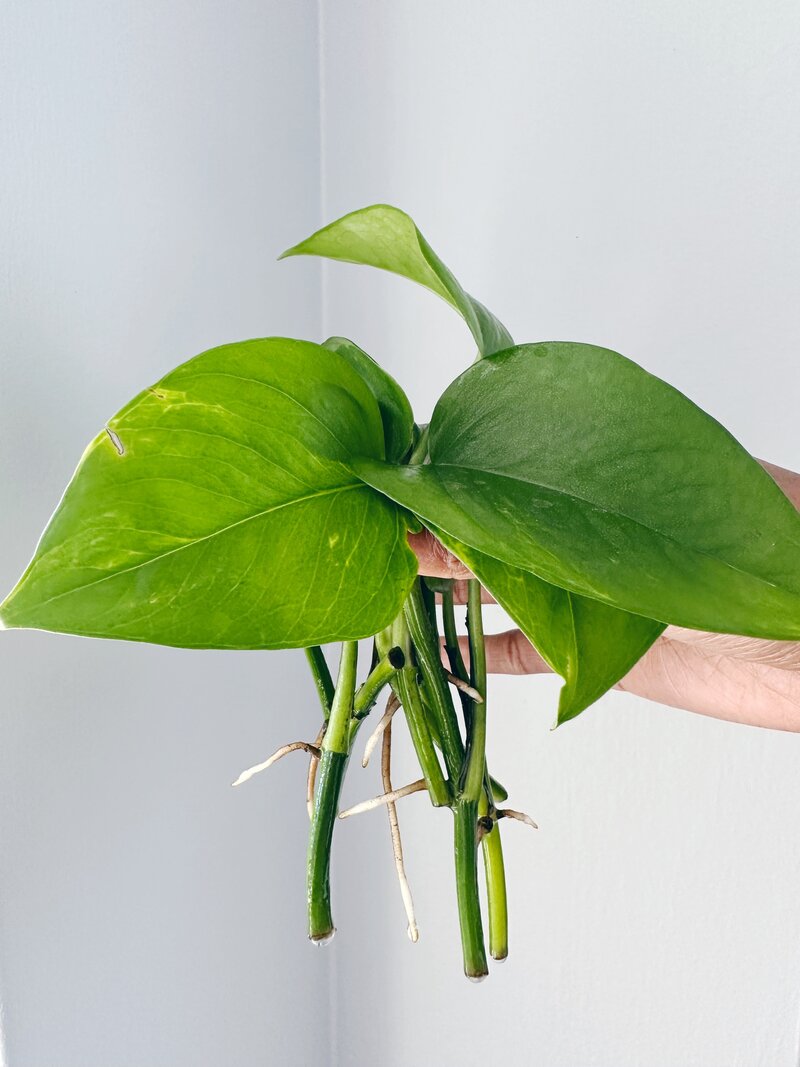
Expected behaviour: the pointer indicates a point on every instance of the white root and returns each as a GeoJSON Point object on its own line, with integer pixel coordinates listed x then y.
{"type": "Point", "coordinates": [459, 683]}
{"type": "Point", "coordinates": [311, 780]}
{"type": "Point", "coordinates": [306, 746]}
{"type": "Point", "coordinates": [394, 828]}
{"type": "Point", "coordinates": [392, 704]}
{"type": "Point", "coordinates": [520, 816]}
{"type": "Point", "coordinates": [385, 798]}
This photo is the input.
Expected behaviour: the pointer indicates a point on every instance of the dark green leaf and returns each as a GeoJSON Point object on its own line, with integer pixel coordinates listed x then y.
{"type": "Point", "coordinates": [218, 510]}
{"type": "Point", "coordinates": [396, 413]}
{"type": "Point", "coordinates": [385, 237]}
{"type": "Point", "coordinates": [573, 462]}
{"type": "Point", "coordinates": [591, 645]}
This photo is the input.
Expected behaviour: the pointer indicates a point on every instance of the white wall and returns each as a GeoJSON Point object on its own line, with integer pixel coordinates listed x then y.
{"type": "Point", "coordinates": [156, 159]}
{"type": "Point", "coordinates": [623, 173]}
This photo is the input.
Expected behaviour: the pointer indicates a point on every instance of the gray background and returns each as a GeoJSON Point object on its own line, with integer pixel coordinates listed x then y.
{"type": "Point", "coordinates": [622, 173]}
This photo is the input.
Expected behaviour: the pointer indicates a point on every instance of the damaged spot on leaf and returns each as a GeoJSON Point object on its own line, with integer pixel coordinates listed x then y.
{"type": "Point", "coordinates": [115, 441]}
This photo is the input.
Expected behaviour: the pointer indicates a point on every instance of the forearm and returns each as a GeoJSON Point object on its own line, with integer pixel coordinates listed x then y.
{"type": "Point", "coordinates": [751, 686]}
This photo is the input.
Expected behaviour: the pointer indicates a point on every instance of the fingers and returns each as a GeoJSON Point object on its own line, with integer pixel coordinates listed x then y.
{"type": "Point", "coordinates": [683, 673]}
{"type": "Point", "coordinates": [509, 653]}
{"type": "Point", "coordinates": [461, 591]}
{"type": "Point", "coordinates": [434, 559]}
{"type": "Point", "coordinates": [436, 562]}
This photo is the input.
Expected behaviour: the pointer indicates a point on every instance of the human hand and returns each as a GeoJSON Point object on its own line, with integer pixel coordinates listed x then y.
{"type": "Point", "coordinates": [741, 679]}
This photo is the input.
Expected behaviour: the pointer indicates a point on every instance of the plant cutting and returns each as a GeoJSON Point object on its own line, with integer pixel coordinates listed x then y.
{"type": "Point", "coordinates": [260, 495]}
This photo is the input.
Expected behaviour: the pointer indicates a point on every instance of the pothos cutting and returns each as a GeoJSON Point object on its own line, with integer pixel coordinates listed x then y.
{"type": "Point", "coordinates": [260, 495]}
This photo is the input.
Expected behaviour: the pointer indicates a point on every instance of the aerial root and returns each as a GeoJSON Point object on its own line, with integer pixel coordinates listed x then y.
{"type": "Point", "coordinates": [385, 798]}
{"type": "Point", "coordinates": [394, 828]}
{"type": "Point", "coordinates": [392, 704]}
{"type": "Point", "coordinates": [313, 764]}
{"type": "Point", "coordinates": [295, 746]}
{"type": "Point", "coordinates": [520, 816]}
{"type": "Point", "coordinates": [459, 683]}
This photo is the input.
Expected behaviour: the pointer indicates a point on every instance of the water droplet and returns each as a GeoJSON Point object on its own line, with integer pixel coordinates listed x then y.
{"type": "Point", "coordinates": [477, 977]}
{"type": "Point", "coordinates": [320, 942]}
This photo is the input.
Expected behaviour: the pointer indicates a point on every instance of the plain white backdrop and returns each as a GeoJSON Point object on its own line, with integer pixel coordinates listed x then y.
{"type": "Point", "coordinates": [623, 173]}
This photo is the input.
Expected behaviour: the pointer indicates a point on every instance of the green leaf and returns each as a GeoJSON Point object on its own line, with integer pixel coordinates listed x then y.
{"type": "Point", "coordinates": [573, 462]}
{"type": "Point", "coordinates": [385, 237]}
{"type": "Point", "coordinates": [591, 645]}
{"type": "Point", "coordinates": [218, 511]}
{"type": "Point", "coordinates": [396, 413]}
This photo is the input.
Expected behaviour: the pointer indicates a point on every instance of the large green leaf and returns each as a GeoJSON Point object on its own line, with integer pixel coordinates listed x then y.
{"type": "Point", "coordinates": [385, 237]}
{"type": "Point", "coordinates": [396, 413]}
{"type": "Point", "coordinates": [573, 462]}
{"type": "Point", "coordinates": [218, 510]}
{"type": "Point", "coordinates": [591, 645]}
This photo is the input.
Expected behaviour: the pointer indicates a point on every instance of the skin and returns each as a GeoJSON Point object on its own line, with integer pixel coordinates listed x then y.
{"type": "Point", "coordinates": [740, 679]}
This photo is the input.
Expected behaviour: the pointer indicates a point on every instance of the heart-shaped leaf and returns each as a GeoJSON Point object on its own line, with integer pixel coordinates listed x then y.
{"type": "Point", "coordinates": [385, 237]}
{"type": "Point", "coordinates": [573, 462]}
{"type": "Point", "coordinates": [218, 510]}
{"type": "Point", "coordinates": [396, 413]}
{"type": "Point", "coordinates": [591, 645]}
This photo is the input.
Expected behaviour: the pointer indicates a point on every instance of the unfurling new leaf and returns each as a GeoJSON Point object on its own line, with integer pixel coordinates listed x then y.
{"type": "Point", "coordinates": [383, 236]}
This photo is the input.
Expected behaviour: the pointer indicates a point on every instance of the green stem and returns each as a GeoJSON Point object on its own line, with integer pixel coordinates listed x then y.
{"type": "Point", "coordinates": [322, 677]}
{"type": "Point", "coordinates": [459, 669]}
{"type": "Point", "coordinates": [380, 676]}
{"type": "Point", "coordinates": [409, 696]}
{"type": "Point", "coordinates": [332, 766]}
{"type": "Point", "coordinates": [337, 735]}
{"type": "Point", "coordinates": [476, 744]}
{"type": "Point", "coordinates": [451, 645]}
{"type": "Point", "coordinates": [408, 693]}
{"type": "Point", "coordinates": [426, 646]}
{"type": "Point", "coordinates": [469, 910]}
{"type": "Point", "coordinates": [453, 649]}
{"type": "Point", "coordinates": [330, 776]}
{"type": "Point", "coordinates": [496, 897]}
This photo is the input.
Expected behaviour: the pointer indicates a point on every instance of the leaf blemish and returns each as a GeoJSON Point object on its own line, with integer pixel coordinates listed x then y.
{"type": "Point", "coordinates": [333, 540]}
{"type": "Point", "coordinates": [115, 441]}
{"type": "Point", "coordinates": [161, 396]}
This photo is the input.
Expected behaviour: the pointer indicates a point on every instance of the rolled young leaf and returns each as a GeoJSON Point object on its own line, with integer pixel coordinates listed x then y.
{"type": "Point", "coordinates": [218, 511]}
{"type": "Point", "coordinates": [591, 645]}
{"type": "Point", "coordinates": [396, 413]}
{"type": "Point", "coordinates": [385, 237]}
{"type": "Point", "coordinates": [573, 462]}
